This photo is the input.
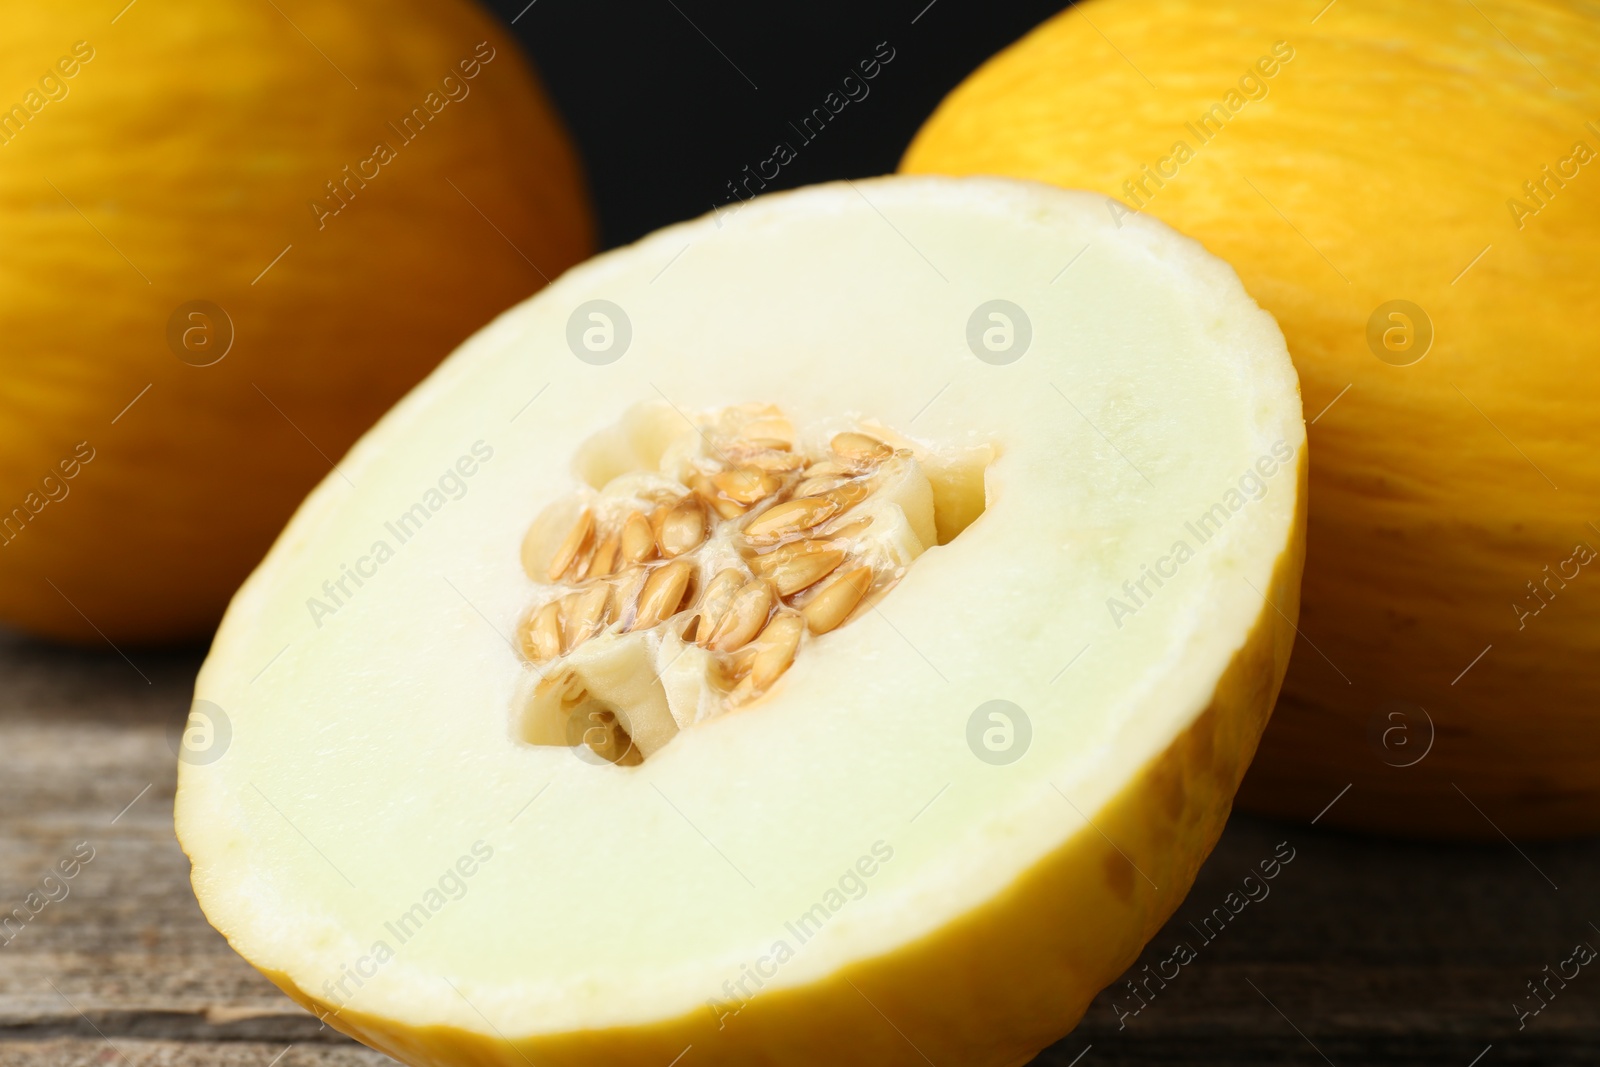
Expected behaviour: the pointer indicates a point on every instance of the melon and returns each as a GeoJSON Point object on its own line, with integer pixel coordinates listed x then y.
{"type": "Point", "coordinates": [828, 632]}
{"type": "Point", "coordinates": [1409, 189]}
{"type": "Point", "coordinates": [234, 236]}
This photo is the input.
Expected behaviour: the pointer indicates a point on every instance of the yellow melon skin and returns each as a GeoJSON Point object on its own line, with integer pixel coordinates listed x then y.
{"type": "Point", "coordinates": [1382, 160]}
{"type": "Point", "coordinates": [1072, 924]}
{"type": "Point", "coordinates": [175, 163]}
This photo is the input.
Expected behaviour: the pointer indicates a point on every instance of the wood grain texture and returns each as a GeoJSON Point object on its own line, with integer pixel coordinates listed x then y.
{"type": "Point", "coordinates": [1361, 951]}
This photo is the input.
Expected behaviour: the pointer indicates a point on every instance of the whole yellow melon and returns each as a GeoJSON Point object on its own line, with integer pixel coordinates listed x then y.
{"type": "Point", "coordinates": [1413, 190]}
{"type": "Point", "coordinates": [233, 235]}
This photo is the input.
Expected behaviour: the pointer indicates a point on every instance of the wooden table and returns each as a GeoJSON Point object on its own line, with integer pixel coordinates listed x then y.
{"type": "Point", "coordinates": [1363, 952]}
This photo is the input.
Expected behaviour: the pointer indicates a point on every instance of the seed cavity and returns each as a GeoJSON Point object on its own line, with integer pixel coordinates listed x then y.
{"type": "Point", "coordinates": [740, 551]}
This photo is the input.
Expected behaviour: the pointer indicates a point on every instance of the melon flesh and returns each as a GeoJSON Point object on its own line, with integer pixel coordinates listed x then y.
{"type": "Point", "coordinates": [843, 870]}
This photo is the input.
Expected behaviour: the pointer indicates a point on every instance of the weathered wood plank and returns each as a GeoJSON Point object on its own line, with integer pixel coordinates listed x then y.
{"type": "Point", "coordinates": [1358, 951]}
{"type": "Point", "coordinates": [137, 1052]}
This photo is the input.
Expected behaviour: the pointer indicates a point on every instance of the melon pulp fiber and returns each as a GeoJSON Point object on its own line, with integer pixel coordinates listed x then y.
{"type": "Point", "coordinates": [1386, 152]}
{"type": "Point", "coordinates": [863, 864]}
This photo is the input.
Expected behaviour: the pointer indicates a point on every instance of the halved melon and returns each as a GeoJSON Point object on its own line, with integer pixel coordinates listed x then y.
{"type": "Point", "coordinates": [830, 632]}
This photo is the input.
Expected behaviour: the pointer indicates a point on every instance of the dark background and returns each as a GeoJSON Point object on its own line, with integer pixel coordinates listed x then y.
{"type": "Point", "coordinates": [653, 93]}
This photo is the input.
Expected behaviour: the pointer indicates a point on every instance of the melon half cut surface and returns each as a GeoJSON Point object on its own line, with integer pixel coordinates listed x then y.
{"type": "Point", "coordinates": [827, 632]}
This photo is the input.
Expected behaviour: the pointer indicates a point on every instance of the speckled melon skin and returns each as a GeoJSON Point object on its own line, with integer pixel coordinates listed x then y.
{"type": "Point", "coordinates": [1382, 164]}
